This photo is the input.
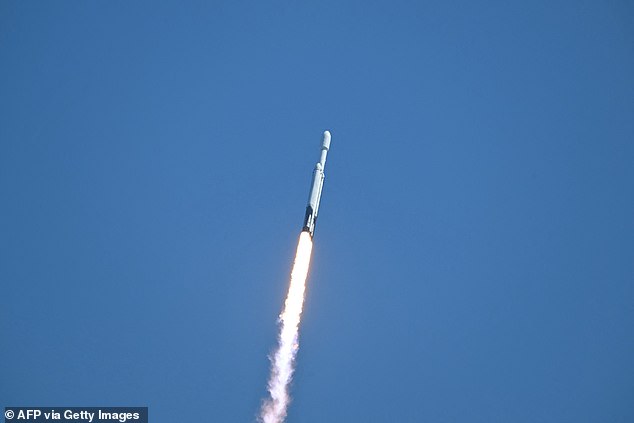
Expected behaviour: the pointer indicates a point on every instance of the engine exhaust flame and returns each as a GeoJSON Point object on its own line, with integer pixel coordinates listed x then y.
{"type": "Point", "coordinates": [283, 360]}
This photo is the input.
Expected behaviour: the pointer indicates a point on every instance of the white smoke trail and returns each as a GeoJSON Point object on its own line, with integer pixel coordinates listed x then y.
{"type": "Point", "coordinates": [282, 362]}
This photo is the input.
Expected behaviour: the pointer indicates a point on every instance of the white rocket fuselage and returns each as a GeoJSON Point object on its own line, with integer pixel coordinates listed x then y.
{"type": "Point", "coordinates": [314, 197]}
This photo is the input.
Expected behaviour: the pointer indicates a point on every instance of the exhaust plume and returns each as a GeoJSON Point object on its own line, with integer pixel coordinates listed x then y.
{"type": "Point", "coordinates": [283, 360]}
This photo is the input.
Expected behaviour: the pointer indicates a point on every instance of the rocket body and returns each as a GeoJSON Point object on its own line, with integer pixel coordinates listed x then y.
{"type": "Point", "coordinates": [316, 186]}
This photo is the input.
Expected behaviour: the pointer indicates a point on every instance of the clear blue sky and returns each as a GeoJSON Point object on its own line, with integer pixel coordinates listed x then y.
{"type": "Point", "coordinates": [474, 256]}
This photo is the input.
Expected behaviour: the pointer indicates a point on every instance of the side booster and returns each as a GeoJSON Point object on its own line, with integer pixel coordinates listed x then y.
{"type": "Point", "coordinates": [314, 197]}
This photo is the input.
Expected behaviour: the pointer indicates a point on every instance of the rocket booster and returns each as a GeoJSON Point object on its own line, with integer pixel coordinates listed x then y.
{"type": "Point", "coordinates": [314, 197]}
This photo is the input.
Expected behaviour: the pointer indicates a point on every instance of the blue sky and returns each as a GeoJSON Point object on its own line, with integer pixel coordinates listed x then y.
{"type": "Point", "coordinates": [474, 257]}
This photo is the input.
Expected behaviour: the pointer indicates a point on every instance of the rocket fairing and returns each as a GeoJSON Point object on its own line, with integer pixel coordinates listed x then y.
{"type": "Point", "coordinates": [314, 197]}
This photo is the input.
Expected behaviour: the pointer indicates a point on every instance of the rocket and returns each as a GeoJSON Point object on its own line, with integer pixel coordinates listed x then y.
{"type": "Point", "coordinates": [314, 197]}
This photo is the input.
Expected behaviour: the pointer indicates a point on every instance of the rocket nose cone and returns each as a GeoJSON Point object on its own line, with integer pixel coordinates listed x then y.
{"type": "Point", "coordinates": [326, 141]}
